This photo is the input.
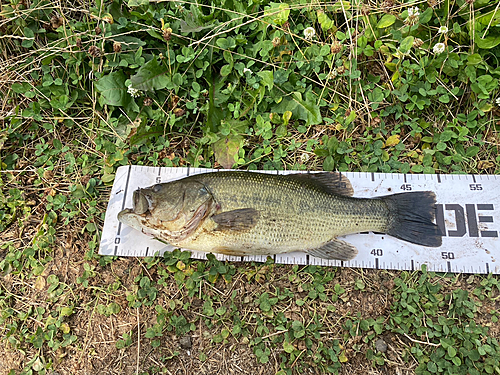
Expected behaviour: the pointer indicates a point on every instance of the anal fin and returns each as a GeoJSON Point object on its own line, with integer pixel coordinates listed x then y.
{"type": "Point", "coordinates": [335, 249]}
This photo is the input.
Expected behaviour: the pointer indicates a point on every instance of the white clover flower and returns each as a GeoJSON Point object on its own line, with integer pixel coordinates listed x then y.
{"type": "Point", "coordinates": [333, 73]}
{"type": "Point", "coordinates": [498, 101]}
{"type": "Point", "coordinates": [246, 70]}
{"type": "Point", "coordinates": [439, 48]}
{"type": "Point", "coordinates": [134, 93]}
{"type": "Point", "coordinates": [309, 33]}
{"type": "Point", "coordinates": [304, 157]}
{"type": "Point", "coordinates": [443, 30]}
{"type": "Point", "coordinates": [413, 12]}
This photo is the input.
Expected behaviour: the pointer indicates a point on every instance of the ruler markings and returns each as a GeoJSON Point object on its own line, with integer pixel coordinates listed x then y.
{"type": "Point", "coordinates": [118, 231]}
{"type": "Point", "coordinates": [124, 198]}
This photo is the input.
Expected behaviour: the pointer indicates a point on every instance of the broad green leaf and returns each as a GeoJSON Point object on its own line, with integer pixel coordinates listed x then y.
{"type": "Point", "coordinates": [325, 21]}
{"type": "Point", "coordinates": [226, 149]}
{"type": "Point", "coordinates": [489, 42]}
{"type": "Point", "coordinates": [137, 3]}
{"type": "Point", "coordinates": [226, 70]}
{"type": "Point", "coordinates": [28, 33]}
{"type": "Point", "coordinates": [288, 347]}
{"type": "Point", "coordinates": [113, 90]}
{"type": "Point", "coordinates": [340, 6]}
{"type": "Point", "coordinates": [362, 41]}
{"type": "Point", "coordinates": [194, 21]}
{"type": "Point", "coordinates": [150, 77]}
{"type": "Point", "coordinates": [130, 43]}
{"type": "Point", "coordinates": [226, 43]}
{"type": "Point", "coordinates": [307, 109]}
{"type": "Point", "coordinates": [267, 77]}
{"type": "Point", "coordinates": [490, 19]}
{"type": "Point", "coordinates": [277, 13]}
{"type": "Point", "coordinates": [386, 21]}
{"type": "Point", "coordinates": [329, 164]}
{"type": "Point", "coordinates": [472, 151]}
{"type": "Point", "coordinates": [474, 59]}
{"type": "Point", "coordinates": [444, 98]}
{"type": "Point", "coordinates": [349, 119]}
{"type": "Point", "coordinates": [286, 117]}
{"type": "Point", "coordinates": [426, 15]}
{"type": "Point", "coordinates": [393, 140]}
{"type": "Point", "coordinates": [406, 44]}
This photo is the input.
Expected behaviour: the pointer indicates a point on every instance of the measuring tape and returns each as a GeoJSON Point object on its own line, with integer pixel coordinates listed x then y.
{"type": "Point", "coordinates": [467, 215]}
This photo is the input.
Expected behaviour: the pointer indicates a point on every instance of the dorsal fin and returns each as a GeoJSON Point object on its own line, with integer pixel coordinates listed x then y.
{"type": "Point", "coordinates": [330, 182]}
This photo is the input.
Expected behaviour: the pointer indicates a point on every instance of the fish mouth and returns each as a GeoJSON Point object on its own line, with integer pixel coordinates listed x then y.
{"type": "Point", "coordinates": [141, 202]}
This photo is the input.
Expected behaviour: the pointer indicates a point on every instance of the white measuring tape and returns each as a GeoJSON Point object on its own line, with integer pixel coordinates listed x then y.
{"type": "Point", "coordinates": [467, 213]}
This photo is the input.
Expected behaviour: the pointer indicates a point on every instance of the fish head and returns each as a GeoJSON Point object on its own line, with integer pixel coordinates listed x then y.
{"type": "Point", "coordinates": [176, 208]}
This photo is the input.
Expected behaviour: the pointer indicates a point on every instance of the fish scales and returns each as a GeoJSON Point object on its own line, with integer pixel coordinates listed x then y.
{"type": "Point", "coordinates": [245, 213]}
{"type": "Point", "coordinates": [291, 212]}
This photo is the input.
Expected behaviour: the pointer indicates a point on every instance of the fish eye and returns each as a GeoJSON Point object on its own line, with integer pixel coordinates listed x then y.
{"type": "Point", "coordinates": [157, 188]}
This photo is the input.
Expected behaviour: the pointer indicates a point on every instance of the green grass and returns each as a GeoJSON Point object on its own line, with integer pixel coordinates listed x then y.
{"type": "Point", "coordinates": [377, 87]}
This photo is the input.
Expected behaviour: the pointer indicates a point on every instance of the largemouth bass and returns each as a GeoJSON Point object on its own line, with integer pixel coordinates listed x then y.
{"type": "Point", "coordinates": [248, 213]}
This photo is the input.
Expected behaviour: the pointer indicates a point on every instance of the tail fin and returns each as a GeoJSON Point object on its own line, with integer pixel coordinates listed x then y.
{"type": "Point", "coordinates": [412, 218]}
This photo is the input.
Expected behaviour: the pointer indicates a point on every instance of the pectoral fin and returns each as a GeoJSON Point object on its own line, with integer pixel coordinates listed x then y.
{"type": "Point", "coordinates": [241, 219]}
{"type": "Point", "coordinates": [335, 249]}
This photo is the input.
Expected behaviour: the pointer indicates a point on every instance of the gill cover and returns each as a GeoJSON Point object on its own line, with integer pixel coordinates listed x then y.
{"type": "Point", "coordinates": [177, 208]}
